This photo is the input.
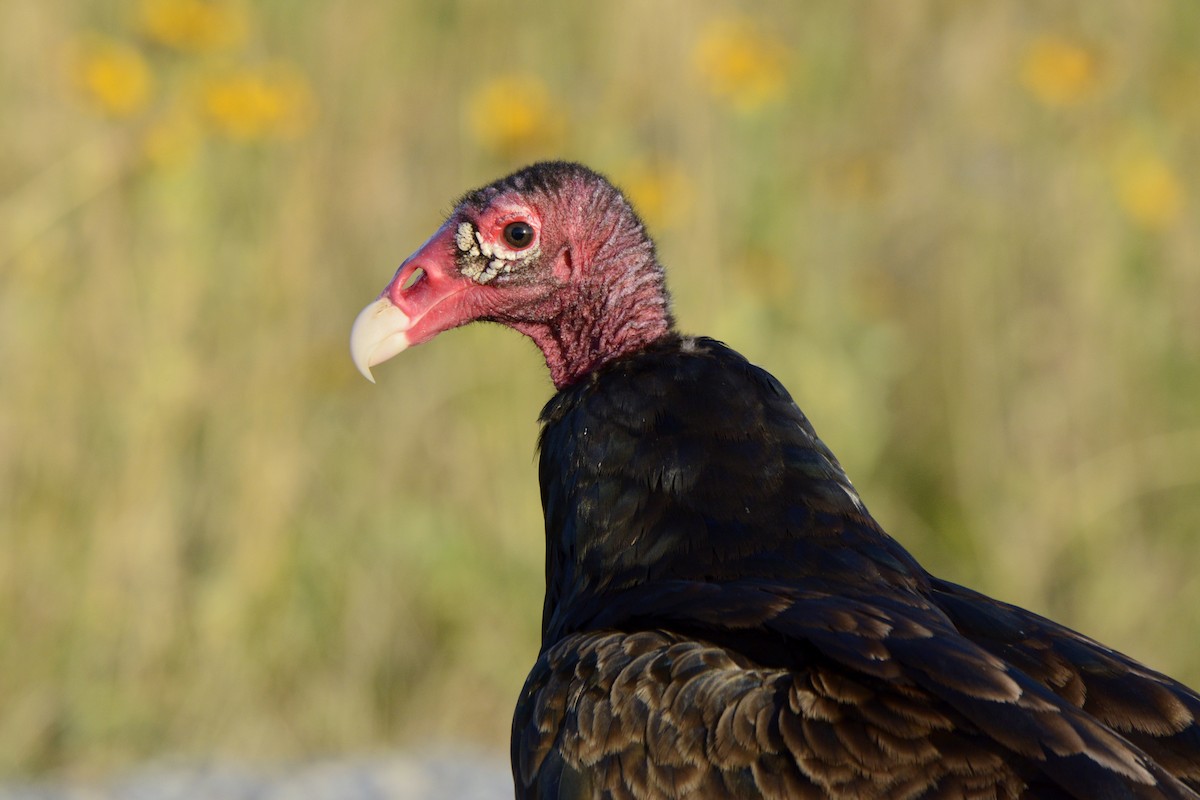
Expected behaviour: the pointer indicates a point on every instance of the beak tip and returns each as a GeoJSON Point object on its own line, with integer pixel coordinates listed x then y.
{"type": "Point", "coordinates": [377, 335]}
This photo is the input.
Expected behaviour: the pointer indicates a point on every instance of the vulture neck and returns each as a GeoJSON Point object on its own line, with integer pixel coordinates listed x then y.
{"type": "Point", "coordinates": [617, 305]}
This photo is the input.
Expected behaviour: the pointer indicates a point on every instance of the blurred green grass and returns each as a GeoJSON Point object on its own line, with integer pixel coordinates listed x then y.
{"type": "Point", "coordinates": [964, 234]}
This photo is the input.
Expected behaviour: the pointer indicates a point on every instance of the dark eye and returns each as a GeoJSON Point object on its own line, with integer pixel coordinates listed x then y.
{"type": "Point", "coordinates": [518, 235]}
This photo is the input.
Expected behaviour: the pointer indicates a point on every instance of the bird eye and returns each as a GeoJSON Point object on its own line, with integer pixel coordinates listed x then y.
{"type": "Point", "coordinates": [518, 235]}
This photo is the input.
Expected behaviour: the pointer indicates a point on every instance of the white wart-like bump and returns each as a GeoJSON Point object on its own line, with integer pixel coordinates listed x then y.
{"type": "Point", "coordinates": [482, 260]}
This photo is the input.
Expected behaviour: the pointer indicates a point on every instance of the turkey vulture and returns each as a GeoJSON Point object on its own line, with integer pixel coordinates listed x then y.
{"type": "Point", "coordinates": [723, 617]}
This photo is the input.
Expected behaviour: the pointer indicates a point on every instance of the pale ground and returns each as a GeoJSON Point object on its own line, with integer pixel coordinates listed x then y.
{"type": "Point", "coordinates": [403, 777]}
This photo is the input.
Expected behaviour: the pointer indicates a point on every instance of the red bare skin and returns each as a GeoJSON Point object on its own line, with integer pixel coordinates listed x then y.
{"type": "Point", "coordinates": [586, 288]}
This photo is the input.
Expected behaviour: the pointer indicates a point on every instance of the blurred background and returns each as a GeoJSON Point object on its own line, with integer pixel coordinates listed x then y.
{"type": "Point", "coordinates": [966, 235]}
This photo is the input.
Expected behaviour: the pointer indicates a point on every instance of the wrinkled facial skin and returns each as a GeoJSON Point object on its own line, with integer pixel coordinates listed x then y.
{"type": "Point", "coordinates": [552, 251]}
{"type": "Point", "coordinates": [484, 253]}
{"type": "Point", "coordinates": [473, 268]}
{"type": "Point", "coordinates": [481, 259]}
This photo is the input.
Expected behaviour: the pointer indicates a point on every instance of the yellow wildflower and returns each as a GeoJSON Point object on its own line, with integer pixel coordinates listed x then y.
{"type": "Point", "coordinates": [1059, 72]}
{"type": "Point", "coordinates": [661, 193]}
{"type": "Point", "coordinates": [111, 75]}
{"type": "Point", "coordinates": [1148, 191]}
{"type": "Point", "coordinates": [740, 65]}
{"type": "Point", "coordinates": [250, 104]}
{"type": "Point", "coordinates": [514, 114]}
{"type": "Point", "coordinates": [193, 25]}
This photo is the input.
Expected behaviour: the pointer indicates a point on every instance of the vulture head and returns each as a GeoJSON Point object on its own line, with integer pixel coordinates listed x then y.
{"type": "Point", "coordinates": [554, 251]}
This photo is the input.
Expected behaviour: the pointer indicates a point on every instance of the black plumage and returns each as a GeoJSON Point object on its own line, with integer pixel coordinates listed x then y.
{"type": "Point", "coordinates": [724, 618]}
{"type": "Point", "coordinates": [723, 613]}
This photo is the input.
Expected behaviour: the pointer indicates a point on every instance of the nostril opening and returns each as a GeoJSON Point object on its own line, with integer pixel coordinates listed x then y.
{"type": "Point", "coordinates": [412, 280]}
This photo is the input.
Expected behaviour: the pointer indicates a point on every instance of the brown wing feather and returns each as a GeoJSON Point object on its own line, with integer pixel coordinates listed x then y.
{"type": "Point", "coordinates": [1159, 715]}
{"type": "Point", "coordinates": [655, 714]}
{"type": "Point", "coordinates": [874, 697]}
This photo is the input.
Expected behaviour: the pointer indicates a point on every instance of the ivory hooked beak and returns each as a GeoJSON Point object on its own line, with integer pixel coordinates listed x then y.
{"type": "Point", "coordinates": [379, 332]}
